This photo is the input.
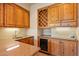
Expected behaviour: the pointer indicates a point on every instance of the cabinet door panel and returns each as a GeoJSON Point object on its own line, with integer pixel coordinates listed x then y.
{"type": "Point", "coordinates": [69, 12]}
{"type": "Point", "coordinates": [1, 14]}
{"type": "Point", "coordinates": [55, 47]}
{"type": "Point", "coordinates": [26, 19]}
{"type": "Point", "coordinates": [31, 41]}
{"type": "Point", "coordinates": [9, 15]}
{"type": "Point", "coordinates": [61, 12]}
{"type": "Point", "coordinates": [70, 48]}
{"type": "Point", "coordinates": [53, 16]}
{"type": "Point", "coordinates": [19, 17]}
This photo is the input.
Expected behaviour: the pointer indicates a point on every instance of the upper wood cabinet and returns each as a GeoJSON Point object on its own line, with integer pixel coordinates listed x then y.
{"type": "Point", "coordinates": [19, 17]}
{"type": "Point", "coordinates": [58, 15]}
{"type": "Point", "coordinates": [53, 16]}
{"type": "Point", "coordinates": [12, 15]}
{"type": "Point", "coordinates": [69, 11]}
{"type": "Point", "coordinates": [68, 14]}
{"type": "Point", "coordinates": [61, 11]}
{"type": "Point", "coordinates": [26, 19]}
{"type": "Point", "coordinates": [9, 15]}
{"type": "Point", "coordinates": [1, 15]}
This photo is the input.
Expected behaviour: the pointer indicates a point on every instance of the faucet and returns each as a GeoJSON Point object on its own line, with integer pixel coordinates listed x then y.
{"type": "Point", "coordinates": [15, 32]}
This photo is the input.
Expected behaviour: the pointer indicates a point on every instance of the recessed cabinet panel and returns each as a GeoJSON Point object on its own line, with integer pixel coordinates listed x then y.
{"type": "Point", "coordinates": [26, 19]}
{"type": "Point", "coordinates": [53, 16]}
{"type": "Point", "coordinates": [61, 12]}
{"type": "Point", "coordinates": [55, 47]}
{"type": "Point", "coordinates": [70, 48]}
{"type": "Point", "coordinates": [68, 11]}
{"type": "Point", "coordinates": [19, 17]}
{"type": "Point", "coordinates": [1, 15]}
{"type": "Point", "coordinates": [9, 15]}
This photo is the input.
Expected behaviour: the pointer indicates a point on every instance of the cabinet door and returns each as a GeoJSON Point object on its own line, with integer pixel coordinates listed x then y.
{"type": "Point", "coordinates": [70, 48]}
{"type": "Point", "coordinates": [68, 14]}
{"type": "Point", "coordinates": [55, 47]}
{"type": "Point", "coordinates": [53, 16]}
{"type": "Point", "coordinates": [69, 11]}
{"type": "Point", "coordinates": [9, 15]}
{"type": "Point", "coordinates": [1, 14]}
{"type": "Point", "coordinates": [31, 41]}
{"type": "Point", "coordinates": [26, 19]}
{"type": "Point", "coordinates": [19, 16]}
{"type": "Point", "coordinates": [61, 12]}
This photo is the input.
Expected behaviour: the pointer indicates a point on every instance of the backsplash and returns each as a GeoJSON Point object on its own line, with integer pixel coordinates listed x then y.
{"type": "Point", "coordinates": [60, 32]}
{"type": "Point", "coordinates": [64, 32]}
{"type": "Point", "coordinates": [46, 31]}
{"type": "Point", "coordinates": [9, 33]}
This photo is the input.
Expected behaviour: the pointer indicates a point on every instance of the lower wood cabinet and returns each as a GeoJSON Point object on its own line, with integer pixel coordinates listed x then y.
{"type": "Point", "coordinates": [70, 48]}
{"type": "Point", "coordinates": [55, 47]}
{"type": "Point", "coordinates": [29, 40]}
{"type": "Point", "coordinates": [63, 47]}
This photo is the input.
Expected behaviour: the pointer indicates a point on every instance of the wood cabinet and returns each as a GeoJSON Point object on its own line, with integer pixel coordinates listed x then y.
{"type": "Point", "coordinates": [55, 47]}
{"type": "Point", "coordinates": [58, 15]}
{"type": "Point", "coordinates": [26, 18]}
{"type": "Point", "coordinates": [31, 41]}
{"type": "Point", "coordinates": [9, 15]}
{"type": "Point", "coordinates": [12, 15]}
{"type": "Point", "coordinates": [28, 40]}
{"type": "Point", "coordinates": [19, 17]}
{"type": "Point", "coordinates": [1, 15]}
{"type": "Point", "coordinates": [53, 16]}
{"type": "Point", "coordinates": [69, 11]}
{"type": "Point", "coordinates": [70, 48]}
{"type": "Point", "coordinates": [69, 14]}
{"type": "Point", "coordinates": [63, 47]}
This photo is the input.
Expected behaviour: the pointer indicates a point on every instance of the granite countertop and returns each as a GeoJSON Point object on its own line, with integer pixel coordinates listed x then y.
{"type": "Point", "coordinates": [18, 38]}
{"type": "Point", "coordinates": [7, 48]}
{"type": "Point", "coordinates": [49, 37]}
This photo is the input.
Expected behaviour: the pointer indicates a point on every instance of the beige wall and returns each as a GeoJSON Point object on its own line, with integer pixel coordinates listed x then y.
{"type": "Point", "coordinates": [24, 5]}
